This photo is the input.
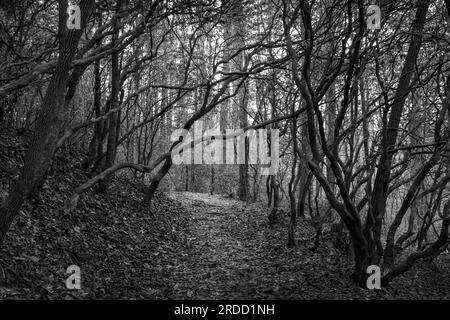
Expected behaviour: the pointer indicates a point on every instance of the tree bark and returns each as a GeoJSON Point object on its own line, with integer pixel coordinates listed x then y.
{"type": "Point", "coordinates": [377, 206]}
{"type": "Point", "coordinates": [46, 133]}
{"type": "Point", "coordinates": [113, 126]}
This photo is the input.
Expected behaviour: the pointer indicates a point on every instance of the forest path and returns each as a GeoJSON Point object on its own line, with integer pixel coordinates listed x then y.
{"type": "Point", "coordinates": [234, 254]}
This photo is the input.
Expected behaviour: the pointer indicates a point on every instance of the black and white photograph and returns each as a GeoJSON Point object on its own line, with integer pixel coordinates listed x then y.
{"type": "Point", "coordinates": [235, 152]}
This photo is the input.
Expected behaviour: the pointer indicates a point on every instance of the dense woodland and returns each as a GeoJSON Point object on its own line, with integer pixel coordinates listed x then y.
{"type": "Point", "coordinates": [363, 116]}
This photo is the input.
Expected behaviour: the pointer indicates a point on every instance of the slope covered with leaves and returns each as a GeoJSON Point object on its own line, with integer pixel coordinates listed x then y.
{"type": "Point", "coordinates": [185, 246]}
{"type": "Point", "coordinates": [121, 245]}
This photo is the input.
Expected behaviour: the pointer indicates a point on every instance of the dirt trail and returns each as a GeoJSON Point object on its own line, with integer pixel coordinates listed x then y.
{"type": "Point", "coordinates": [234, 252]}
